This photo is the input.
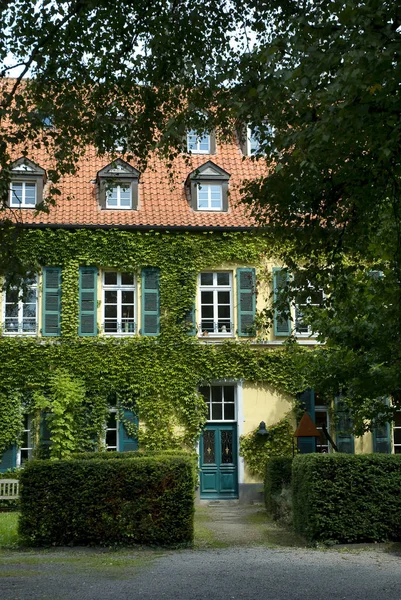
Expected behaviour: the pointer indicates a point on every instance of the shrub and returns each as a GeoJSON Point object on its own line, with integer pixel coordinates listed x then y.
{"type": "Point", "coordinates": [149, 500]}
{"type": "Point", "coordinates": [278, 479]}
{"type": "Point", "coordinates": [347, 498]}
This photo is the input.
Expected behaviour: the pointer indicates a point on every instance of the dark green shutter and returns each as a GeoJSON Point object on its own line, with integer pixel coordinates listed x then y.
{"type": "Point", "coordinates": [150, 302]}
{"type": "Point", "coordinates": [381, 436]}
{"type": "Point", "coordinates": [51, 301]}
{"type": "Point", "coordinates": [307, 445]}
{"type": "Point", "coordinates": [87, 301]}
{"type": "Point", "coordinates": [282, 322]}
{"type": "Point", "coordinates": [125, 442]}
{"type": "Point", "coordinates": [8, 460]}
{"type": "Point", "coordinates": [344, 436]}
{"type": "Point", "coordinates": [246, 289]}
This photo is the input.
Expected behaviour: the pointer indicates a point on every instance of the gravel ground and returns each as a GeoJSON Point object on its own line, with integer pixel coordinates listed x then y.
{"type": "Point", "coordinates": [245, 558]}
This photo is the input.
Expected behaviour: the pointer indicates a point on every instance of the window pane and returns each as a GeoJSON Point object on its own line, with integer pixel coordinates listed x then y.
{"type": "Point", "coordinates": [112, 420]}
{"type": "Point", "coordinates": [127, 297]}
{"type": "Point", "coordinates": [29, 310]}
{"type": "Point", "coordinates": [217, 412]}
{"type": "Point", "coordinates": [206, 278]}
{"type": "Point", "coordinates": [16, 194]}
{"type": "Point", "coordinates": [229, 412]}
{"type": "Point", "coordinates": [205, 391]}
{"type": "Point", "coordinates": [127, 311]}
{"type": "Point", "coordinates": [111, 196]}
{"type": "Point", "coordinates": [11, 325]}
{"type": "Point", "coordinates": [397, 436]}
{"type": "Point", "coordinates": [110, 278]}
{"type": "Point", "coordinates": [191, 140]}
{"type": "Point", "coordinates": [11, 310]}
{"type": "Point", "coordinates": [110, 296]}
{"type": "Point", "coordinates": [204, 143]}
{"type": "Point", "coordinates": [223, 297]}
{"type": "Point", "coordinates": [110, 311]}
{"type": "Point", "coordinates": [223, 279]}
{"type": "Point", "coordinates": [224, 312]}
{"type": "Point", "coordinates": [30, 193]}
{"type": "Point", "coordinates": [397, 421]}
{"type": "Point", "coordinates": [206, 297]}
{"type": "Point", "coordinates": [217, 395]}
{"type": "Point", "coordinates": [207, 312]}
{"type": "Point", "coordinates": [228, 393]}
{"type": "Point", "coordinates": [111, 439]}
{"type": "Point", "coordinates": [127, 279]}
{"type": "Point", "coordinates": [12, 296]}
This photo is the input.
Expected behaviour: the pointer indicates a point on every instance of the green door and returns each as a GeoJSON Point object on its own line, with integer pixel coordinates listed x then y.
{"type": "Point", "coordinates": [218, 461]}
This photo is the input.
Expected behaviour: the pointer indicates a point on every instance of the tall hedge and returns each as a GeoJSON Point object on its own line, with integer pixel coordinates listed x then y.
{"type": "Point", "coordinates": [149, 500]}
{"type": "Point", "coordinates": [347, 498]}
{"type": "Point", "coordinates": [278, 473]}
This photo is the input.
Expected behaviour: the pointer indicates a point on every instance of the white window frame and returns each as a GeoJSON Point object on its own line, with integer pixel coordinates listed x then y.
{"type": "Point", "coordinates": [119, 287]}
{"type": "Point", "coordinates": [396, 445]}
{"type": "Point", "coordinates": [217, 331]}
{"type": "Point", "coordinates": [119, 188]}
{"type": "Point", "coordinates": [14, 203]}
{"type": "Point", "coordinates": [208, 187]}
{"type": "Point", "coordinates": [323, 409]}
{"type": "Point", "coordinates": [196, 149]}
{"type": "Point", "coordinates": [29, 448]}
{"type": "Point", "coordinates": [298, 309]}
{"type": "Point", "coordinates": [20, 315]}
{"type": "Point", "coordinates": [222, 386]}
{"type": "Point", "coordinates": [112, 410]}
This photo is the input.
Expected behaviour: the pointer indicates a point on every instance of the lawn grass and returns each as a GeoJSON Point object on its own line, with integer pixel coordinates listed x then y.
{"type": "Point", "coordinates": [9, 529]}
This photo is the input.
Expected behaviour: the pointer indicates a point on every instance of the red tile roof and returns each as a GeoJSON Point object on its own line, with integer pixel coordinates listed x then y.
{"type": "Point", "coordinates": [162, 202]}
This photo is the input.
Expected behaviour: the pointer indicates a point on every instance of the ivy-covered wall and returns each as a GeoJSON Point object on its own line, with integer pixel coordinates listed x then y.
{"type": "Point", "coordinates": [156, 377]}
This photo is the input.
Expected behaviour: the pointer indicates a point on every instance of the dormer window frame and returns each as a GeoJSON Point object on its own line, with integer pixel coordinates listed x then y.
{"type": "Point", "coordinates": [25, 172]}
{"type": "Point", "coordinates": [118, 174]}
{"type": "Point", "coordinates": [208, 187]}
{"type": "Point", "coordinates": [200, 139]}
{"type": "Point", "coordinates": [208, 174]}
{"type": "Point", "coordinates": [119, 187]}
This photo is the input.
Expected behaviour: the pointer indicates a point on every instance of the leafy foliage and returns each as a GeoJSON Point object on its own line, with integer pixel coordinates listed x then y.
{"type": "Point", "coordinates": [277, 482]}
{"type": "Point", "coordinates": [156, 378]}
{"type": "Point", "coordinates": [141, 500]}
{"type": "Point", "coordinates": [347, 498]}
{"type": "Point", "coordinates": [257, 450]}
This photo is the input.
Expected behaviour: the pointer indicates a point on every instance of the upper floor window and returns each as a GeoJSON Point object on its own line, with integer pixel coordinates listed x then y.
{"type": "Point", "coordinates": [22, 194]}
{"type": "Point", "coordinates": [210, 197]}
{"type": "Point", "coordinates": [253, 141]}
{"type": "Point", "coordinates": [119, 303]}
{"type": "Point", "coordinates": [118, 186]}
{"type": "Point", "coordinates": [119, 196]}
{"type": "Point", "coordinates": [27, 181]}
{"type": "Point", "coordinates": [198, 144]}
{"type": "Point", "coordinates": [215, 290]}
{"type": "Point", "coordinates": [313, 300]}
{"type": "Point", "coordinates": [20, 311]}
{"type": "Point", "coordinates": [208, 188]}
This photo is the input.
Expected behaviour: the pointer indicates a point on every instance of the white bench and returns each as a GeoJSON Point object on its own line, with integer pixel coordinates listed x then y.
{"type": "Point", "coordinates": [9, 489]}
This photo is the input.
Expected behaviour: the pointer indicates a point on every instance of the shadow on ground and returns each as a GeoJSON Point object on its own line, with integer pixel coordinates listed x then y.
{"type": "Point", "coordinates": [229, 523]}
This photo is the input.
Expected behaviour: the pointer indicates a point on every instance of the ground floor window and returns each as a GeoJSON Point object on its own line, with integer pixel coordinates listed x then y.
{"type": "Point", "coordinates": [321, 421]}
{"type": "Point", "coordinates": [397, 433]}
{"type": "Point", "coordinates": [220, 400]}
{"type": "Point", "coordinates": [26, 449]}
{"type": "Point", "coordinates": [111, 434]}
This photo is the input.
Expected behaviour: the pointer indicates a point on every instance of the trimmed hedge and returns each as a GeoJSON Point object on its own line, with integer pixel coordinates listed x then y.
{"type": "Point", "coordinates": [149, 500]}
{"type": "Point", "coordinates": [278, 473]}
{"type": "Point", "coordinates": [347, 498]}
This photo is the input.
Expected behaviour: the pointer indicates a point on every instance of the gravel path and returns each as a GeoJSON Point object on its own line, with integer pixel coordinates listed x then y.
{"type": "Point", "coordinates": [252, 567]}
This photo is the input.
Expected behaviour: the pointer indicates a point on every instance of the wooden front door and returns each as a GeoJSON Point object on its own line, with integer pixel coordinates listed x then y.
{"type": "Point", "coordinates": [219, 461]}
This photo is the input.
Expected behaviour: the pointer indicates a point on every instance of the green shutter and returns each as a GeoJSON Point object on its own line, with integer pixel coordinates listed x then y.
{"type": "Point", "coordinates": [307, 445]}
{"type": "Point", "coordinates": [8, 460]}
{"type": "Point", "coordinates": [125, 442]}
{"type": "Point", "coordinates": [190, 321]}
{"type": "Point", "coordinates": [150, 302]}
{"type": "Point", "coordinates": [381, 436]}
{"type": "Point", "coordinates": [87, 301]}
{"type": "Point", "coordinates": [246, 289]}
{"type": "Point", "coordinates": [51, 301]}
{"type": "Point", "coordinates": [344, 436]}
{"type": "Point", "coordinates": [282, 323]}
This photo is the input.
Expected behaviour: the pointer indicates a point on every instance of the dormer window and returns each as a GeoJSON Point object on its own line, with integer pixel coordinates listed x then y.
{"type": "Point", "coordinates": [119, 196]}
{"type": "Point", "coordinates": [208, 188]}
{"type": "Point", "coordinates": [118, 186]}
{"type": "Point", "coordinates": [26, 187]}
{"type": "Point", "coordinates": [210, 197]}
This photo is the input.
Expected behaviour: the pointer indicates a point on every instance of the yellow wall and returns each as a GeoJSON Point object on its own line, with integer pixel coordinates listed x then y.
{"type": "Point", "coordinates": [261, 402]}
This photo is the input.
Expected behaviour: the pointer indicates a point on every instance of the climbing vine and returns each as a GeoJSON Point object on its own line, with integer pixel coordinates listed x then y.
{"type": "Point", "coordinates": [257, 449]}
{"type": "Point", "coordinates": [157, 378]}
